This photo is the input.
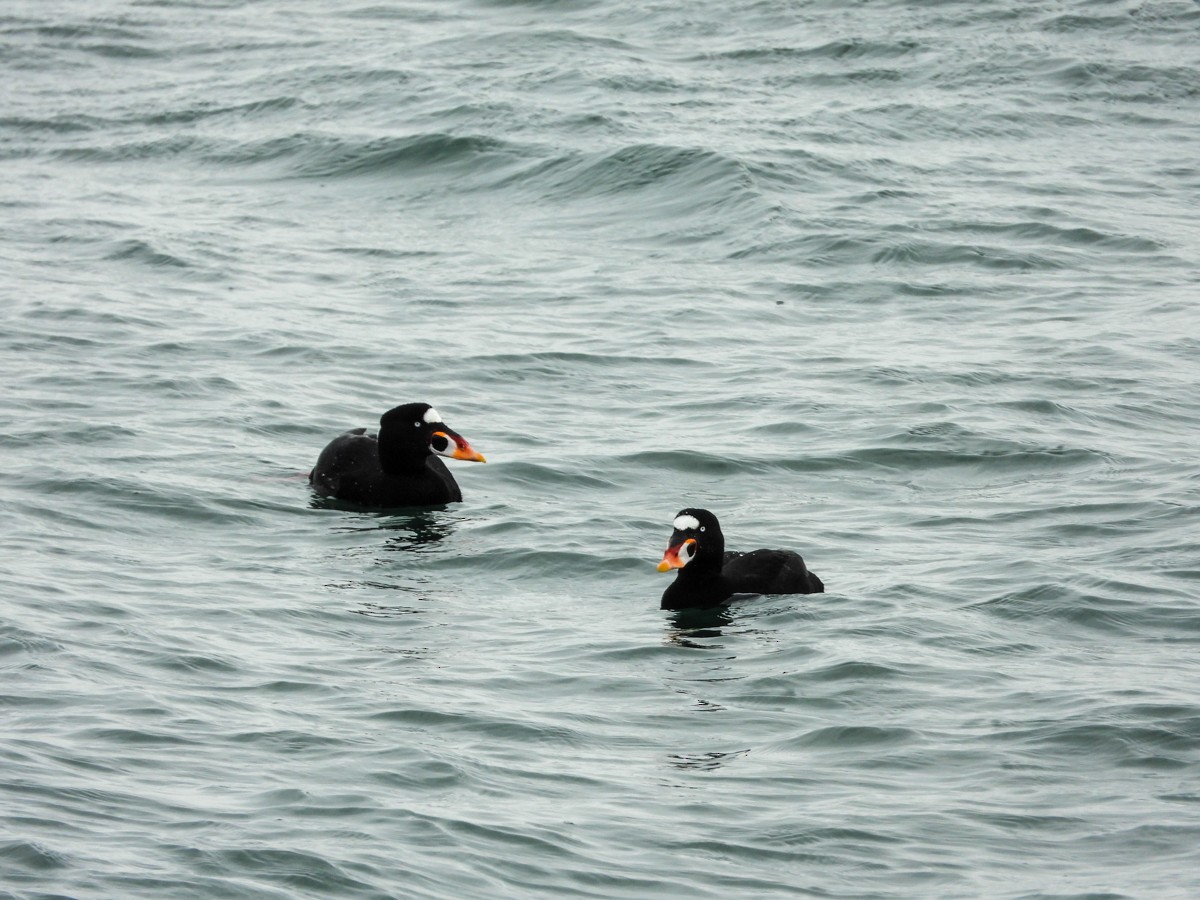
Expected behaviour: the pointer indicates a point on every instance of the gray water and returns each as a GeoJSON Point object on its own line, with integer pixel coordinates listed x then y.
{"type": "Point", "coordinates": [909, 287]}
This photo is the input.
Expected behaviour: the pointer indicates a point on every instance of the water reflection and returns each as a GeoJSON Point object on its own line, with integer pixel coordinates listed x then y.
{"type": "Point", "coordinates": [413, 531]}
{"type": "Point", "coordinates": [407, 590]}
{"type": "Point", "coordinates": [377, 610]}
{"type": "Point", "coordinates": [759, 619]}
{"type": "Point", "coordinates": [710, 760]}
{"type": "Point", "coordinates": [415, 640]}
{"type": "Point", "coordinates": [696, 628]}
{"type": "Point", "coordinates": [418, 531]}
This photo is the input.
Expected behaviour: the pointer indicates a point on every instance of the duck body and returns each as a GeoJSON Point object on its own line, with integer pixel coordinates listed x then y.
{"type": "Point", "coordinates": [771, 572]}
{"type": "Point", "coordinates": [397, 467]}
{"type": "Point", "coordinates": [349, 469]}
{"type": "Point", "coordinates": [709, 575]}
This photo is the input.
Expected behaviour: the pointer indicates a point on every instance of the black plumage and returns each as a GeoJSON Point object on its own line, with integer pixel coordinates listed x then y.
{"type": "Point", "coordinates": [399, 466]}
{"type": "Point", "coordinates": [709, 575]}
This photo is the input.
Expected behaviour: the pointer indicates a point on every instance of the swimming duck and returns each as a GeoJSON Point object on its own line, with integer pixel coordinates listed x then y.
{"type": "Point", "coordinates": [397, 467]}
{"type": "Point", "coordinates": [709, 574]}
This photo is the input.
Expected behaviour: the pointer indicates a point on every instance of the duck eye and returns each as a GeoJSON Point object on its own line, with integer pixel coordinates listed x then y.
{"type": "Point", "coordinates": [701, 527]}
{"type": "Point", "coordinates": [417, 424]}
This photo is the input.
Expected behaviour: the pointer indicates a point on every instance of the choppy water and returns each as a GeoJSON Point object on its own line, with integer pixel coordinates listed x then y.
{"type": "Point", "coordinates": [908, 287]}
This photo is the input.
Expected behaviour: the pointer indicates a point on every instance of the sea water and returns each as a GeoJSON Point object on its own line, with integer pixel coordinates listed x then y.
{"type": "Point", "coordinates": [908, 287]}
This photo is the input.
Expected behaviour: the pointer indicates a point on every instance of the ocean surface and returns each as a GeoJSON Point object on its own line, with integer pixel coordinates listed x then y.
{"type": "Point", "coordinates": [909, 287]}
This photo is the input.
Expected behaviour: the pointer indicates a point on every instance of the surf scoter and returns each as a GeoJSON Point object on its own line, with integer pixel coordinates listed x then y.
{"type": "Point", "coordinates": [396, 468]}
{"type": "Point", "coordinates": [709, 575]}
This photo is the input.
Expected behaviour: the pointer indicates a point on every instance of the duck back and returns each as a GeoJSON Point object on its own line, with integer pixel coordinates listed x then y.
{"type": "Point", "coordinates": [349, 469]}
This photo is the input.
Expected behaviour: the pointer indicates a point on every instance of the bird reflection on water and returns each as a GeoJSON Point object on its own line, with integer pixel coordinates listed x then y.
{"type": "Point", "coordinates": [701, 629]}
{"type": "Point", "coordinates": [694, 628]}
{"type": "Point", "coordinates": [418, 531]}
{"type": "Point", "coordinates": [712, 759]}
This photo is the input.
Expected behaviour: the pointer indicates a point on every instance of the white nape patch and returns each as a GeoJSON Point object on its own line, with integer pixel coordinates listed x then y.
{"type": "Point", "coordinates": [686, 523]}
{"type": "Point", "coordinates": [431, 416]}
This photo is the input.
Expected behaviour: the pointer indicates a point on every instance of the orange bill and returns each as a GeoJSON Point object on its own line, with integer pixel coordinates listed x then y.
{"type": "Point", "coordinates": [462, 450]}
{"type": "Point", "coordinates": [675, 557]}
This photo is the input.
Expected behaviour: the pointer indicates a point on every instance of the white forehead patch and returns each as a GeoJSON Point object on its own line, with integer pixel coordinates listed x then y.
{"type": "Point", "coordinates": [686, 523]}
{"type": "Point", "coordinates": [431, 416]}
